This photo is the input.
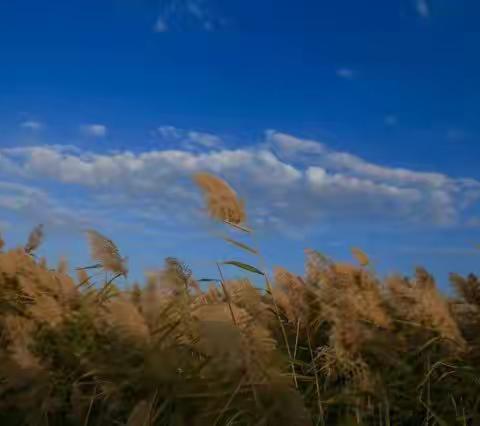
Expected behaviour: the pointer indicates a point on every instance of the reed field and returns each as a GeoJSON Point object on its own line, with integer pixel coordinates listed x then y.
{"type": "Point", "coordinates": [335, 346]}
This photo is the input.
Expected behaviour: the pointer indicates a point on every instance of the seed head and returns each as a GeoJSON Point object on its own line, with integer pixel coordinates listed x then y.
{"type": "Point", "coordinates": [222, 201]}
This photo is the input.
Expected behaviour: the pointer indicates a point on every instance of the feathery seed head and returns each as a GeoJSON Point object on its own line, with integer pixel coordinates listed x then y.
{"type": "Point", "coordinates": [290, 292]}
{"type": "Point", "coordinates": [106, 252]}
{"type": "Point", "coordinates": [315, 267]}
{"type": "Point", "coordinates": [222, 201]}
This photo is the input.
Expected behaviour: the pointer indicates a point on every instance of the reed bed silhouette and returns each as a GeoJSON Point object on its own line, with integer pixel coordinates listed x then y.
{"type": "Point", "coordinates": [336, 346]}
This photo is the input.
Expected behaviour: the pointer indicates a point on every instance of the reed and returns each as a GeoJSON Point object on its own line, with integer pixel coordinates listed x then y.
{"type": "Point", "coordinates": [336, 346]}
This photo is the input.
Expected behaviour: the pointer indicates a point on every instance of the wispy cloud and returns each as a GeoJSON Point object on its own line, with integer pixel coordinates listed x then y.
{"type": "Point", "coordinates": [346, 73]}
{"type": "Point", "coordinates": [179, 15]}
{"type": "Point", "coordinates": [456, 135]}
{"type": "Point", "coordinates": [423, 8]}
{"type": "Point", "coordinates": [95, 130]}
{"type": "Point", "coordinates": [391, 120]}
{"type": "Point", "coordinates": [160, 26]}
{"type": "Point", "coordinates": [31, 125]}
{"type": "Point", "coordinates": [28, 201]}
{"type": "Point", "coordinates": [188, 139]}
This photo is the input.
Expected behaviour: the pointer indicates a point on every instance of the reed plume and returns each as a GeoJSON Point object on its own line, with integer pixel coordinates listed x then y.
{"type": "Point", "coordinates": [290, 294]}
{"type": "Point", "coordinates": [222, 201]}
{"type": "Point", "coordinates": [316, 265]}
{"type": "Point", "coordinates": [421, 302]}
{"type": "Point", "coordinates": [360, 349]}
{"type": "Point", "coordinates": [35, 239]}
{"type": "Point", "coordinates": [361, 257]}
{"type": "Point", "coordinates": [468, 288]}
{"type": "Point", "coordinates": [104, 251]}
{"type": "Point", "coordinates": [123, 317]}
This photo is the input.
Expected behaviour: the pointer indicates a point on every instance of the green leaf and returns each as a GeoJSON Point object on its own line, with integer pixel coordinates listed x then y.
{"type": "Point", "coordinates": [241, 245]}
{"type": "Point", "coordinates": [244, 266]}
{"type": "Point", "coordinates": [97, 266]}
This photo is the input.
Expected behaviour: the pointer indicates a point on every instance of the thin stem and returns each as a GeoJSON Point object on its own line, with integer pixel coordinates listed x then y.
{"type": "Point", "coordinates": [296, 341]}
{"type": "Point", "coordinates": [225, 291]}
{"type": "Point", "coordinates": [237, 226]}
{"type": "Point", "coordinates": [87, 417]}
{"type": "Point", "coordinates": [428, 391]}
{"type": "Point", "coordinates": [317, 381]}
{"type": "Point", "coordinates": [105, 288]}
{"type": "Point", "coordinates": [269, 287]}
{"type": "Point", "coordinates": [230, 400]}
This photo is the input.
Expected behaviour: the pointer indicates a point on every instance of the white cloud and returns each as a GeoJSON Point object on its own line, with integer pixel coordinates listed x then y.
{"type": "Point", "coordinates": [288, 182]}
{"type": "Point", "coordinates": [456, 135]}
{"type": "Point", "coordinates": [95, 130]}
{"type": "Point", "coordinates": [345, 73]}
{"type": "Point", "coordinates": [31, 125]}
{"type": "Point", "coordinates": [293, 148]}
{"type": "Point", "coordinates": [423, 8]}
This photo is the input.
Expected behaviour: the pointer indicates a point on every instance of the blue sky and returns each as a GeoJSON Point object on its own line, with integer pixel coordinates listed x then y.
{"type": "Point", "coordinates": [341, 124]}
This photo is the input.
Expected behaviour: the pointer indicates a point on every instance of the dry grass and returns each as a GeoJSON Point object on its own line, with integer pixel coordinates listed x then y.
{"type": "Point", "coordinates": [336, 346]}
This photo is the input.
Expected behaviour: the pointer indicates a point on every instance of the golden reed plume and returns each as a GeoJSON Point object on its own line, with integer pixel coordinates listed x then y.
{"type": "Point", "coordinates": [222, 201]}
{"type": "Point", "coordinates": [360, 256]}
{"type": "Point", "coordinates": [106, 252]}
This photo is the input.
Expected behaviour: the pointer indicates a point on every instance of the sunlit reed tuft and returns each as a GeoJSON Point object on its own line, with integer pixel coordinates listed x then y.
{"type": "Point", "coordinates": [222, 201]}
{"type": "Point", "coordinates": [105, 251]}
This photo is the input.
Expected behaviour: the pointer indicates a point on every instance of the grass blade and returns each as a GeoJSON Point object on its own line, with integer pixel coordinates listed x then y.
{"type": "Point", "coordinates": [244, 266]}
{"type": "Point", "coordinates": [241, 245]}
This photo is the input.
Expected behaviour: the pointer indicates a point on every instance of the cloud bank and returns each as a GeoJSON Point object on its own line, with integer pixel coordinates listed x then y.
{"type": "Point", "coordinates": [288, 182]}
